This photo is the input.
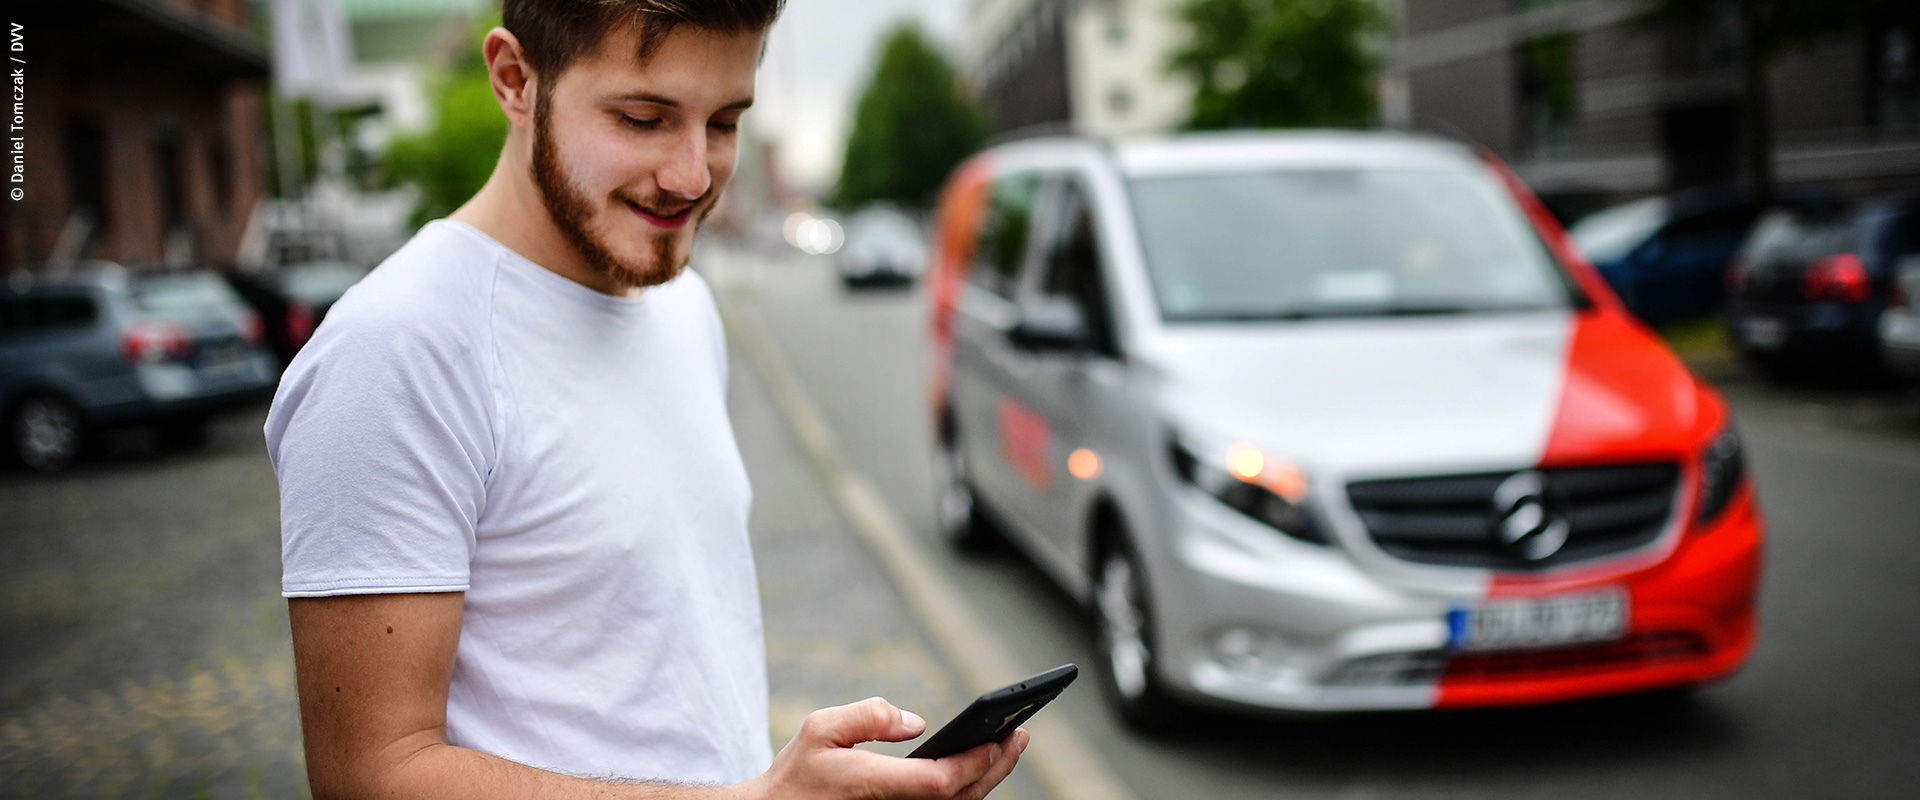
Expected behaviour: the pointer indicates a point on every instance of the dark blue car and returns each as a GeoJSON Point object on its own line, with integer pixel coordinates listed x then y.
{"type": "Point", "coordinates": [106, 346]}
{"type": "Point", "coordinates": [1667, 256]}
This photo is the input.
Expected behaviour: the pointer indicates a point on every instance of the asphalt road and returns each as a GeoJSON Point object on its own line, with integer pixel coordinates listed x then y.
{"type": "Point", "coordinates": [1829, 706]}
{"type": "Point", "coordinates": [143, 647]}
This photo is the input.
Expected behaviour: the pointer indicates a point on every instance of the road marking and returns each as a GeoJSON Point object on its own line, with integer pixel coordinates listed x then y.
{"type": "Point", "coordinates": [1059, 755]}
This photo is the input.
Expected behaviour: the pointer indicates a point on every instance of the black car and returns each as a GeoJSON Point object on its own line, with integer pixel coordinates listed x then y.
{"type": "Point", "coordinates": [1810, 284]}
{"type": "Point", "coordinates": [293, 299]}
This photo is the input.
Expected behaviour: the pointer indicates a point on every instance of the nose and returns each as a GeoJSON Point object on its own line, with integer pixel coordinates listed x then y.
{"type": "Point", "coordinates": [685, 172]}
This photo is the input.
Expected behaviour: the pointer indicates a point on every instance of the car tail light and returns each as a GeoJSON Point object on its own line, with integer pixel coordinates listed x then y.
{"type": "Point", "coordinates": [299, 324]}
{"type": "Point", "coordinates": [1837, 278]}
{"type": "Point", "coordinates": [252, 329]}
{"type": "Point", "coordinates": [153, 342]}
{"type": "Point", "coordinates": [1736, 275]}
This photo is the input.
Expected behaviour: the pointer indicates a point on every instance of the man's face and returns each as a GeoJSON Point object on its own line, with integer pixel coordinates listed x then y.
{"type": "Point", "coordinates": [630, 156]}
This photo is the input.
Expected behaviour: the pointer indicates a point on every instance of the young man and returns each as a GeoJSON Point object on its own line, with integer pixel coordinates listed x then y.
{"type": "Point", "coordinates": [513, 512]}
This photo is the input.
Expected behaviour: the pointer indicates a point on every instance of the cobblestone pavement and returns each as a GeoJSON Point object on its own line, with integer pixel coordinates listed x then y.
{"type": "Point", "coordinates": [143, 641]}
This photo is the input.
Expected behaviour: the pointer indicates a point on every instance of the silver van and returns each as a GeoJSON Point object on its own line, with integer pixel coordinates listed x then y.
{"type": "Point", "coordinates": [1328, 421]}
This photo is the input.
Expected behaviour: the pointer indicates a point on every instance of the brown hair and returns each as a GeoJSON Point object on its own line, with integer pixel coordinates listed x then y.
{"type": "Point", "coordinates": [553, 33]}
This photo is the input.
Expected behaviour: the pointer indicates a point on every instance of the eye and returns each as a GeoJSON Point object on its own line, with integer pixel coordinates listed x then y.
{"type": "Point", "coordinates": [642, 124]}
{"type": "Point", "coordinates": [724, 127]}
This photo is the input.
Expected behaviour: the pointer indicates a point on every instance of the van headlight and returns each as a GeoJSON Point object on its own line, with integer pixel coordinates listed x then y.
{"type": "Point", "coordinates": [1722, 466]}
{"type": "Point", "coordinates": [1268, 489]}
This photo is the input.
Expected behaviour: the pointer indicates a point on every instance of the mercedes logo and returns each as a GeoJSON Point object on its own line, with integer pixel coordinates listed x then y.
{"type": "Point", "coordinates": [1525, 523]}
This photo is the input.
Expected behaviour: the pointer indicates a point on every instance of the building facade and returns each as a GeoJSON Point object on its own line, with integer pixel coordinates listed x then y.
{"type": "Point", "coordinates": [1591, 103]}
{"type": "Point", "coordinates": [1096, 67]}
{"type": "Point", "coordinates": [141, 133]}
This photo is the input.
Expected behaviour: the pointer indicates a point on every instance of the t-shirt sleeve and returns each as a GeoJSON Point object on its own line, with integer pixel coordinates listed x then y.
{"type": "Point", "coordinates": [380, 434]}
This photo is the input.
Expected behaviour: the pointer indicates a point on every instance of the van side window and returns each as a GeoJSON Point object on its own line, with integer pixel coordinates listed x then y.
{"type": "Point", "coordinates": [1073, 264]}
{"type": "Point", "coordinates": [1004, 229]}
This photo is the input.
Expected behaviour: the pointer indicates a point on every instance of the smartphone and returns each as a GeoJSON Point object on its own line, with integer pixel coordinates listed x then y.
{"type": "Point", "coordinates": [995, 714]}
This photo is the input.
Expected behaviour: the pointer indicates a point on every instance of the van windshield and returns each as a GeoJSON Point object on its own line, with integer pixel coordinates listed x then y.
{"type": "Point", "coordinates": [1293, 244]}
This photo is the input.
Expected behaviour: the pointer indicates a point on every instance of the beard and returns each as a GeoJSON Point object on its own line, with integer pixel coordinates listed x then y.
{"type": "Point", "coordinates": [571, 210]}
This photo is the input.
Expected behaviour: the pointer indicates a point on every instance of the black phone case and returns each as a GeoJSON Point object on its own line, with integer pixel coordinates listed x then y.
{"type": "Point", "coordinates": [994, 715]}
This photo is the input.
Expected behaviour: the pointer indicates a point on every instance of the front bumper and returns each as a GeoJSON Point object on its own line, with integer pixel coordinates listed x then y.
{"type": "Point", "coordinates": [1289, 626]}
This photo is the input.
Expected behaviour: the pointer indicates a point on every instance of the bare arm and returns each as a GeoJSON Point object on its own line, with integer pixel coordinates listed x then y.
{"type": "Point", "coordinates": [373, 673]}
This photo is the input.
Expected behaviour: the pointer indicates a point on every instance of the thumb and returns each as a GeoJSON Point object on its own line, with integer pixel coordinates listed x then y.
{"type": "Point", "coordinates": [870, 720]}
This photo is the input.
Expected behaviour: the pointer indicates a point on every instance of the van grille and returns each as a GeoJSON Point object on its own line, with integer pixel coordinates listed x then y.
{"type": "Point", "coordinates": [1451, 520]}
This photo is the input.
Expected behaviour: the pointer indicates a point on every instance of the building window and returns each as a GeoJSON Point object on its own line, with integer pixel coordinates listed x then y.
{"type": "Point", "coordinates": [1895, 78]}
{"type": "Point", "coordinates": [1549, 94]}
{"type": "Point", "coordinates": [220, 174]}
{"type": "Point", "coordinates": [1119, 101]}
{"type": "Point", "coordinates": [86, 171]}
{"type": "Point", "coordinates": [167, 178]}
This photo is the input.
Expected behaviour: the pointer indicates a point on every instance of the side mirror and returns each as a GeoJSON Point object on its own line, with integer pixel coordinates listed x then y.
{"type": "Point", "coordinates": [1050, 323]}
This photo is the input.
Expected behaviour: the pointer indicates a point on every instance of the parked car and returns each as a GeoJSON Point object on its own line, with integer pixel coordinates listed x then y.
{"type": "Point", "coordinates": [1667, 257]}
{"type": "Point", "coordinates": [293, 299]}
{"type": "Point", "coordinates": [884, 245]}
{"type": "Point", "coordinates": [1811, 283]}
{"type": "Point", "coordinates": [107, 345]}
{"type": "Point", "coordinates": [1326, 422]}
{"type": "Point", "coordinates": [1900, 324]}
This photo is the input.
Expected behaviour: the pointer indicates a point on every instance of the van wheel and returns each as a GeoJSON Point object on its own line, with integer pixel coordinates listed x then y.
{"type": "Point", "coordinates": [1123, 629]}
{"type": "Point", "coordinates": [47, 432]}
{"type": "Point", "coordinates": [957, 507]}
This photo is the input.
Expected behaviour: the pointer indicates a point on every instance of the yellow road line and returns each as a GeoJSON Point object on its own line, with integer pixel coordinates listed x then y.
{"type": "Point", "coordinates": [1059, 755]}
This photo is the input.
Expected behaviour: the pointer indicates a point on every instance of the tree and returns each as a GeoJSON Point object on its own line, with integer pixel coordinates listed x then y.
{"type": "Point", "coordinates": [451, 160]}
{"type": "Point", "coordinates": [913, 123]}
{"type": "Point", "coordinates": [1280, 63]}
{"type": "Point", "coordinates": [1770, 29]}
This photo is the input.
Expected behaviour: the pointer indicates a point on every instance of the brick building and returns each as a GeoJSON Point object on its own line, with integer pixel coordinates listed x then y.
{"type": "Point", "coordinates": [142, 134]}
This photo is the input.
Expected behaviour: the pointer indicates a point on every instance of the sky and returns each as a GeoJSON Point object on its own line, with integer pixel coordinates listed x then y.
{"type": "Point", "coordinates": [820, 56]}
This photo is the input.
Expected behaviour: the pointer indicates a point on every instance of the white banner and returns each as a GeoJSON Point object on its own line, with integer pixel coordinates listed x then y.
{"type": "Point", "coordinates": [312, 48]}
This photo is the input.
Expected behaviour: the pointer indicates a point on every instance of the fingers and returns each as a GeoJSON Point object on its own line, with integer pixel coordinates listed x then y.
{"type": "Point", "coordinates": [958, 773]}
{"type": "Point", "coordinates": [870, 720]}
{"type": "Point", "coordinates": [1002, 766]}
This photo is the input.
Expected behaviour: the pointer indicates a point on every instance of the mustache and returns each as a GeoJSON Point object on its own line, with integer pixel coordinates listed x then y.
{"type": "Point", "coordinates": [663, 204]}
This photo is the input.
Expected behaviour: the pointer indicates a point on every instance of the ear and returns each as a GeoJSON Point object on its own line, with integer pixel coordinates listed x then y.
{"type": "Point", "coordinates": [514, 81]}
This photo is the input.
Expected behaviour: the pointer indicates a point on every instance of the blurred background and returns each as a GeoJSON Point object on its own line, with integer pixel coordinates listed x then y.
{"type": "Point", "coordinates": [204, 178]}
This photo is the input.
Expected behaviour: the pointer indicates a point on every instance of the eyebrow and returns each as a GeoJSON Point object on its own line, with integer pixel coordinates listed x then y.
{"type": "Point", "coordinates": [647, 97]}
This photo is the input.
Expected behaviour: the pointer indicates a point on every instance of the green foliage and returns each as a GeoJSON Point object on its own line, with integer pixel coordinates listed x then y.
{"type": "Point", "coordinates": [913, 124]}
{"type": "Point", "coordinates": [451, 160]}
{"type": "Point", "coordinates": [1280, 63]}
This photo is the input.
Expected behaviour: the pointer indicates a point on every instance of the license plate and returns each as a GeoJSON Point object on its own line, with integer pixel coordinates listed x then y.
{"type": "Point", "coordinates": [1764, 333]}
{"type": "Point", "coordinates": [1543, 622]}
{"type": "Point", "coordinates": [221, 359]}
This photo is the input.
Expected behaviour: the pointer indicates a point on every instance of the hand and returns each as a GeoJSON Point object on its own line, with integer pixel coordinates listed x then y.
{"type": "Point", "coordinates": [821, 762]}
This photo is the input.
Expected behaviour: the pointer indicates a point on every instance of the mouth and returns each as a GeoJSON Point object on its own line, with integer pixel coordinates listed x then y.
{"type": "Point", "coordinates": [669, 219]}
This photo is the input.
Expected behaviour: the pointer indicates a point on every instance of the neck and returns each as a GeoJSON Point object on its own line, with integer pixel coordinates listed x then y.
{"type": "Point", "coordinates": [508, 208]}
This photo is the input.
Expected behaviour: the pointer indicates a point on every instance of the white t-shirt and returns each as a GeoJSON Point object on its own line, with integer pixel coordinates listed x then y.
{"type": "Point", "coordinates": [466, 420]}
